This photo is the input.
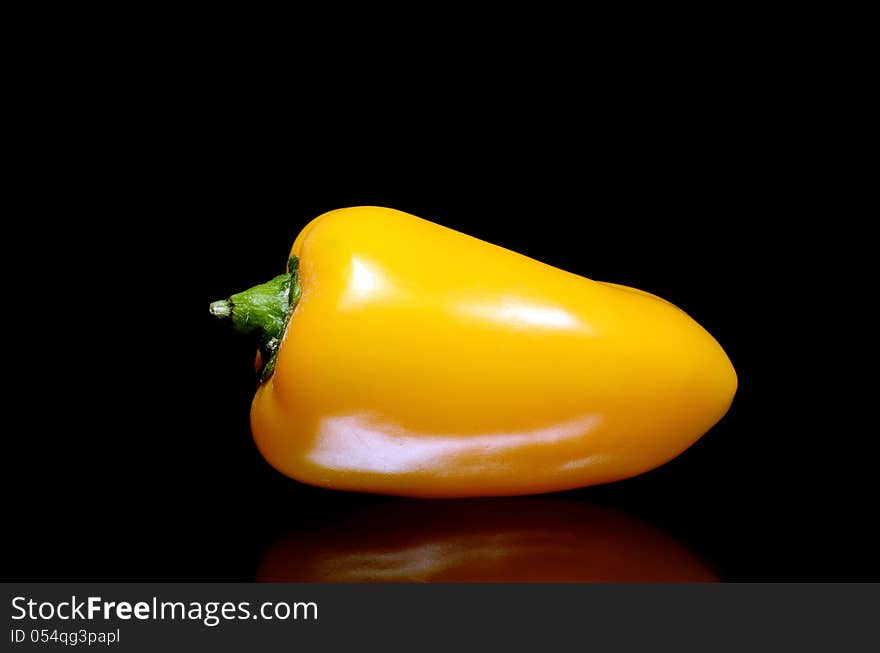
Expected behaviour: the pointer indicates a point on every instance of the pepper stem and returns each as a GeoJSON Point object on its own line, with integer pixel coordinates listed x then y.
{"type": "Point", "coordinates": [263, 311]}
{"type": "Point", "coordinates": [221, 308]}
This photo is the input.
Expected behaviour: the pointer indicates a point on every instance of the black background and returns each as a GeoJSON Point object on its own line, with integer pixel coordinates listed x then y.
{"type": "Point", "coordinates": [146, 196]}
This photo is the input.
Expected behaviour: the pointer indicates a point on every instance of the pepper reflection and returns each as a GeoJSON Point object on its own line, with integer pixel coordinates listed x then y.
{"type": "Point", "coordinates": [482, 540]}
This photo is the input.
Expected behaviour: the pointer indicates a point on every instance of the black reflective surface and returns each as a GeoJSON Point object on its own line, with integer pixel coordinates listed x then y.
{"type": "Point", "coordinates": [545, 539]}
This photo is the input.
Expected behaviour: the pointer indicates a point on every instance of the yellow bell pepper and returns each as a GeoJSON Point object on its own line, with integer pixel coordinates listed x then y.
{"type": "Point", "coordinates": [405, 358]}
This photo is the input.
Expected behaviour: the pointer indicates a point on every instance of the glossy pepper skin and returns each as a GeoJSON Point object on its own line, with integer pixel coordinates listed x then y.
{"type": "Point", "coordinates": [419, 361]}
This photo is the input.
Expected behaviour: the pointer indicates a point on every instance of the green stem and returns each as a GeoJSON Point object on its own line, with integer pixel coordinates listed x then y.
{"type": "Point", "coordinates": [263, 311]}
